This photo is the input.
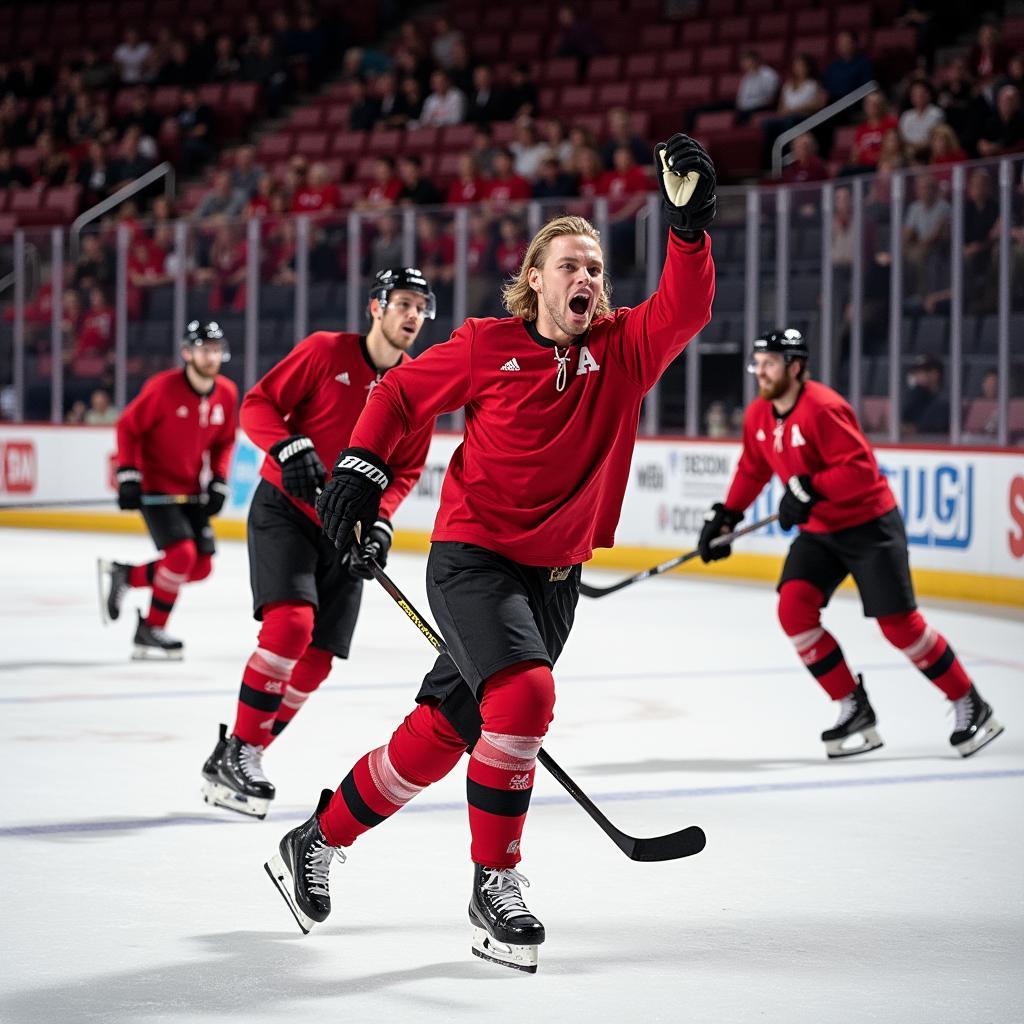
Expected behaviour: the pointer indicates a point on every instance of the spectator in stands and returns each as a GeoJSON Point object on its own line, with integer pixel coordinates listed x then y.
{"type": "Point", "coordinates": [850, 69]}
{"type": "Point", "coordinates": [944, 147]}
{"type": "Point", "coordinates": [521, 94]}
{"type": "Point", "coordinates": [981, 233]}
{"type": "Point", "coordinates": [280, 263]}
{"type": "Point", "coordinates": [263, 202]}
{"type": "Point", "coordinates": [625, 187]}
{"type": "Point", "coordinates": [131, 163]}
{"type": "Point", "coordinates": [867, 141]}
{"type": "Point", "coordinates": [12, 174]}
{"type": "Point", "coordinates": [987, 58]}
{"type": "Point", "coordinates": [469, 185]}
{"type": "Point", "coordinates": [917, 122]}
{"type": "Point", "coordinates": [442, 46]}
{"type": "Point", "coordinates": [386, 248]}
{"type": "Point", "coordinates": [589, 170]}
{"type": "Point", "coordinates": [925, 237]}
{"type": "Point", "coordinates": [95, 332]}
{"type": "Point", "coordinates": [202, 52]}
{"type": "Point", "coordinates": [310, 45]}
{"type": "Point", "coordinates": [800, 96]}
{"type": "Point", "coordinates": [145, 271]}
{"type": "Point", "coordinates": [383, 191]}
{"type": "Point", "coordinates": [412, 98]}
{"type": "Point", "coordinates": [1014, 74]}
{"type": "Point", "coordinates": [576, 37]}
{"type": "Point", "coordinates": [620, 133]}
{"type": "Point", "coordinates": [222, 200]}
{"type": "Point", "coordinates": [141, 115]}
{"type": "Point", "coordinates": [807, 166]}
{"type": "Point", "coordinates": [94, 266]}
{"type": "Point", "coordinates": [227, 269]}
{"type": "Point", "coordinates": [96, 72]}
{"type": "Point", "coordinates": [435, 250]}
{"type": "Point", "coordinates": [12, 124]}
{"type": "Point", "coordinates": [101, 411]}
{"type": "Point", "coordinates": [445, 105]}
{"type": "Point", "coordinates": [957, 100]}
{"type": "Point", "coordinates": [842, 229]}
{"type": "Point", "coordinates": [195, 125]}
{"type": "Point", "coordinates": [75, 416]}
{"type": "Point", "coordinates": [553, 182]}
{"type": "Point", "coordinates": [461, 71]}
{"type": "Point", "coordinates": [758, 88]}
{"type": "Point", "coordinates": [226, 65]}
{"type": "Point", "coordinates": [1003, 132]}
{"type": "Point", "coordinates": [319, 195]}
{"type": "Point", "coordinates": [485, 101]}
{"type": "Point", "coordinates": [483, 149]}
{"type": "Point", "coordinates": [70, 320]}
{"type": "Point", "coordinates": [365, 111]}
{"type": "Point", "coordinates": [556, 138]}
{"type": "Point", "coordinates": [925, 409]}
{"type": "Point", "coordinates": [479, 266]}
{"type": "Point", "coordinates": [506, 186]}
{"type": "Point", "coordinates": [527, 149]}
{"type": "Point", "coordinates": [512, 246]}
{"type": "Point", "coordinates": [266, 67]}
{"type": "Point", "coordinates": [132, 58]}
{"type": "Point", "coordinates": [246, 173]}
{"type": "Point", "coordinates": [52, 165]}
{"type": "Point", "coordinates": [416, 189]}
{"type": "Point", "coordinates": [392, 108]}
{"type": "Point", "coordinates": [174, 68]}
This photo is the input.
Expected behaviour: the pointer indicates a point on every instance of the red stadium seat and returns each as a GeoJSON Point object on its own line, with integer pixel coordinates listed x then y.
{"type": "Point", "coordinates": [842, 142]}
{"type": "Point", "coordinates": [26, 156]}
{"type": "Point", "coordinates": [716, 58]}
{"type": "Point", "coordinates": [166, 100]}
{"type": "Point", "coordinates": [523, 45]}
{"type": "Point", "coordinates": [576, 99]}
{"type": "Point", "coordinates": [641, 65]}
{"type": "Point", "coordinates": [312, 145]}
{"type": "Point", "coordinates": [735, 30]}
{"type": "Point", "coordinates": [698, 33]}
{"type": "Point", "coordinates": [604, 69]}
{"type": "Point", "coordinates": [212, 94]}
{"type": "Point", "coordinates": [274, 147]}
{"type": "Point", "coordinates": [422, 140]}
{"type": "Point", "coordinates": [447, 167]}
{"type": "Point", "coordinates": [652, 94]}
{"type": "Point", "coordinates": [817, 48]}
{"type": "Point", "coordinates": [348, 145]}
{"type": "Point", "coordinates": [535, 18]}
{"type": "Point", "coordinates": [385, 142]}
{"type": "Point", "coordinates": [693, 92]}
{"type": "Point", "coordinates": [558, 71]}
{"type": "Point", "coordinates": [718, 121]}
{"type": "Point", "coordinates": [26, 199]}
{"type": "Point", "coordinates": [678, 63]}
{"type": "Point", "coordinates": [657, 37]}
{"type": "Point", "coordinates": [759, 6]}
{"type": "Point", "coordinates": [243, 96]}
{"type": "Point", "coordinates": [307, 119]}
{"type": "Point", "coordinates": [978, 414]}
{"type": "Point", "coordinates": [893, 41]}
{"type": "Point", "coordinates": [65, 200]}
{"type": "Point", "coordinates": [337, 116]}
{"type": "Point", "coordinates": [720, 8]}
{"type": "Point", "coordinates": [815, 22]}
{"type": "Point", "coordinates": [614, 94]}
{"type": "Point", "coordinates": [857, 19]}
{"type": "Point", "coordinates": [351, 194]}
{"type": "Point", "coordinates": [364, 169]}
{"type": "Point", "coordinates": [499, 19]}
{"type": "Point", "coordinates": [772, 26]}
{"type": "Point", "coordinates": [726, 86]}
{"type": "Point", "coordinates": [457, 137]}
{"type": "Point", "coordinates": [504, 132]}
{"type": "Point", "coordinates": [773, 51]}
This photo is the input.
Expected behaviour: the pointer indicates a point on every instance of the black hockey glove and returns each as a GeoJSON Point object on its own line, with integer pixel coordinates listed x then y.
{"type": "Point", "coordinates": [717, 520]}
{"type": "Point", "coordinates": [376, 545]}
{"type": "Point", "coordinates": [687, 179]}
{"type": "Point", "coordinates": [795, 507]}
{"type": "Point", "coordinates": [217, 492]}
{"type": "Point", "coordinates": [351, 497]}
{"type": "Point", "coordinates": [129, 487]}
{"type": "Point", "coordinates": [302, 472]}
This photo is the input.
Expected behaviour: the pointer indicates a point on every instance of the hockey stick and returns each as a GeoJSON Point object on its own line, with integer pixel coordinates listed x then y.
{"type": "Point", "coordinates": [672, 563]}
{"type": "Point", "coordinates": [684, 843]}
{"type": "Point", "coordinates": [147, 499]}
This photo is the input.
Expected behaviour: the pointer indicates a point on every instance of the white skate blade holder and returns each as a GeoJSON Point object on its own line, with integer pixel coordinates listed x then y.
{"type": "Point", "coordinates": [282, 879]}
{"type": "Point", "coordinates": [519, 958]}
{"type": "Point", "coordinates": [985, 734]}
{"type": "Point", "coordinates": [143, 653]}
{"type": "Point", "coordinates": [103, 567]}
{"type": "Point", "coordinates": [858, 743]}
{"type": "Point", "coordinates": [219, 795]}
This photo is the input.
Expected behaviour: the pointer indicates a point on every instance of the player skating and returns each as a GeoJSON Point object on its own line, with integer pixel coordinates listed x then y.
{"type": "Point", "coordinates": [808, 435]}
{"type": "Point", "coordinates": [552, 397]}
{"type": "Point", "coordinates": [180, 422]}
{"type": "Point", "coordinates": [304, 593]}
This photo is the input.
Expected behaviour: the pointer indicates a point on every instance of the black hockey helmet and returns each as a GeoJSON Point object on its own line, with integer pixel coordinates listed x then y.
{"type": "Point", "coordinates": [789, 343]}
{"type": "Point", "coordinates": [198, 334]}
{"type": "Point", "coordinates": [408, 279]}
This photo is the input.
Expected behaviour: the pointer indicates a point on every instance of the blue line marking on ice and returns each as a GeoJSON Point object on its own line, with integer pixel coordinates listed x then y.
{"type": "Point", "coordinates": [173, 820]}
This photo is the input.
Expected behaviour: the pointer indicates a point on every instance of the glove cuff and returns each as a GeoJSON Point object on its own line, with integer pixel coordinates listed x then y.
{"type": "Point", "coordinates": [128, 475]}
{"type": "Point", "coordinates": [220, 485]}
{"type": "Point", "coordinates": [801, 489]}
{"type": "Point", "coordinates": [290, 447]}
{"type": "Point", "coordinates": [384, 525]}
{"type": "Point", "coordinates": [365, 463]}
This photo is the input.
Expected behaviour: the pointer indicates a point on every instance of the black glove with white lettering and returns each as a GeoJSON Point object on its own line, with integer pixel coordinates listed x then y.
{"type": "Point", "coordinates": [129, 487]}
{"type": "Point", "coordinates": [351, 497]}
{"type": "Point", "coordinates": [717, 520]}
{"type": "Point", "coordinates": [217, 492]}
{"type": "Point", "coordinates": [376, 545]}
{"type": "Point", "coordinates": [796, 504]}
{"type": "Point", "coordinates": [687, 178]}
{"type": "Point", "coordinates": [302, 472]}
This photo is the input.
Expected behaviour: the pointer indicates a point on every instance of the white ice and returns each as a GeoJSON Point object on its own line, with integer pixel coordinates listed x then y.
{"type": "Point", "coordinates": [886, 888]}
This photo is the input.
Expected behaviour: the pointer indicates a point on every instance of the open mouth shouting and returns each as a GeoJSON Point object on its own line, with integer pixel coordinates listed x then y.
{"type": "Point", "coordinates": [579, 305]}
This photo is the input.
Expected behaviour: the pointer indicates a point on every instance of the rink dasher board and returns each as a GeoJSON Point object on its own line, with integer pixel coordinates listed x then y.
{"type": "Point", "coordinates": [963, 507]}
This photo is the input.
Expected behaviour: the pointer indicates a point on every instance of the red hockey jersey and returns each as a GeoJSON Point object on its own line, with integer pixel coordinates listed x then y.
{"type": "Point", "coordinates": [540, 474]}
{"type": "Point", "coordinates": [169, 428]}
{"type": "Point", "coordinates": [319, 389]}
{"type": "Point", "coordinates": [819, 437]}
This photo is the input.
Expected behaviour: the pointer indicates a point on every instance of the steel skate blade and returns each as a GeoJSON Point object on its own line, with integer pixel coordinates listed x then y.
{"type": "Point", "coordinates": [219, 795]}
{"type": "Point", "coordinates": [869, 740]}
{"type": "Point", "coordinates": [103, 567]}
{"type": "Point", "coordinates": [985, 735]}
{"type": "Point", "coordinates": [143, 653]}
{"type": "Point", "coordinates": [519, 958]}
{"type": "Point", "coordinates": [285, 884]}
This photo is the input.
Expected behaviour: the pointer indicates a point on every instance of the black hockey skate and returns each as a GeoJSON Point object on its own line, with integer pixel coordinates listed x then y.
{"type": "Point", "coordinates": [975, 724]}
{"type": "Point", "coordinates": [152, 643]}
{"type": "Point", "coordinates": [113, 584]}
{"type": "Point", "coordinates": [301, 869]}
{"type": "Point", "coordinates": [856, 722]}
{"type": "Point", "coordinates": [238, 784]}
{"type": "Point", "coordinates": [504, 931]}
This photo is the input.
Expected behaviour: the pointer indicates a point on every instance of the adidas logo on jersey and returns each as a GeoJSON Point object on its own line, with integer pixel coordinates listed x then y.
{"type": "Point", "coordinates": [343, 378]}
{"type": "Point", "coordinates": [512, 364]}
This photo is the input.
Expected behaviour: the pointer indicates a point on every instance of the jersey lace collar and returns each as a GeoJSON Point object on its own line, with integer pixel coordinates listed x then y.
{"type": "Point", "coordinates": [531, 330]}
{"type": "Point", "coordinates": [788, 412]}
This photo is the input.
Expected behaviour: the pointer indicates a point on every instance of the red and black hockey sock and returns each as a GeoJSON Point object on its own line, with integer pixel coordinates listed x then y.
{"type": "Point", "coordinates": [800, 606]}
{"type": "Point", "coordinates": [928, 650]}
{"type": "Point", "coordinates": [169, 574]}
{"type": "Point", "coordinates": [423, 749]}
{"type": "Point", "coordinates": [142, 575]}
{"type": "Point", "coordinates": [516, 708]}
{"type": "Point", "coordinates": [284, 637]}
{"type": "Point", "coordinates": [202, 568]}
{"type": "Point", "coordinates": [312, 669]}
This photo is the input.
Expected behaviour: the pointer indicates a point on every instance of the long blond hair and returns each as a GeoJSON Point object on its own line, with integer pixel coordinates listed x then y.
{"type": "Point", "coordinates": [520, 299]}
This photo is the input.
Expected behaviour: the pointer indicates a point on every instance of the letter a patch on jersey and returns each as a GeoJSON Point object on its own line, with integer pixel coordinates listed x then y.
{"type": "Point", "coordinates": [795, 437]}
{"type": "Point", "coordinates": [587, 362]}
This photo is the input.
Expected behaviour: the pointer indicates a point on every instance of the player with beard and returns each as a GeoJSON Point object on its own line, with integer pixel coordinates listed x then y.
{"type": "Point", "coordinates": [179, 422]}
{"type": "Point", "coordinates": [306, 595]}
{"type": "Point", "coordinates": [808, 435]}
{"type": "Point", "coordinates": [552, 396]}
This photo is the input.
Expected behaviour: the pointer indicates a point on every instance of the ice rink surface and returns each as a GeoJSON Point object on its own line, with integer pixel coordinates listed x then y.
{"type": "Point", "coordinates": [885, 888]}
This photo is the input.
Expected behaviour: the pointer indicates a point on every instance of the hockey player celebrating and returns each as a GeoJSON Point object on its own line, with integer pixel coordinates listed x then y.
{"type": "Point", "coordinates": [552, 397]}
{"type": "Point", "coordinates": [808, 435]}
{"type": "Point", "coordinates": [178, 422]}
{"type": "Point", "coordinates": [305, 596]}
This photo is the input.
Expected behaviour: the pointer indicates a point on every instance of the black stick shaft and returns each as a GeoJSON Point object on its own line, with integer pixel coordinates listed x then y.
{"type": "Point", "coordinates": [673, 563]}
{"type": "Point", "coordinates": [147, 499]}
